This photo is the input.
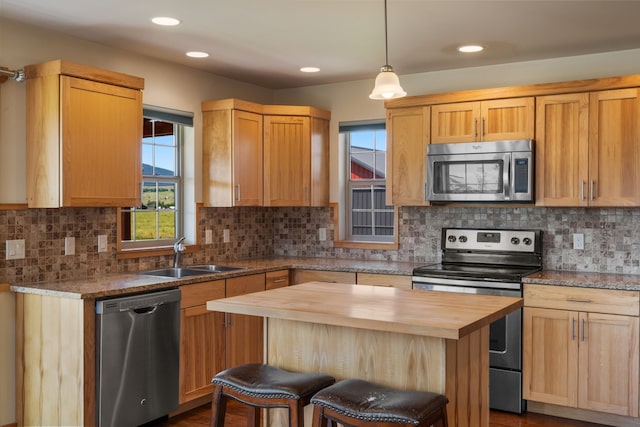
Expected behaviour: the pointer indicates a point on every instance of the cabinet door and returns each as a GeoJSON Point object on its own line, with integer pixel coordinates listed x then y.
{"type": "Point", "coordinates": [614, 142]}
{"type": "Point", "coordinates": [407, 136]}
{"type": "Point", "coordinates": [287, 161]}
{"type": "Point", "coordinates": [244, 334]}
{"type": "Point", "coordinates": [101, 136]}
{"type": "Point", "coordinates": [504, 119]}
{"type": "Point", "coordinates": [319, 162]}
{"type": "Point", "coordinates": [550, 356]}
{"type": "Point", "coordinates": [247, 158]}
{"type": "Point", "coordinates": [457, 122]}
{"type": "Point", "coordinates": [562, 149]}
{"type": "Point", "coordinates": [201, 351]}
{"type": "Point", "coordinates": [277, 279]}
{"type": "Point", "coordinates": [608, 373]}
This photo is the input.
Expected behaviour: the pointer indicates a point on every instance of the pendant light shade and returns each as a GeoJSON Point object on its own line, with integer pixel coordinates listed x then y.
{"type": "Point", "coordinates": [387, 84]}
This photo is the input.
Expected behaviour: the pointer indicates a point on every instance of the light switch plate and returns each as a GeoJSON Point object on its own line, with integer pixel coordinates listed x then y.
{"type": "Point", "coordinates": [69, 245]}
{"type": "Point", "coordinates": [578, 241]}
{"type": "Point", "coordinates": [322, 234]}
{"type": "Point", "coordinates": [226, 238]}
{"type": "Point", "coordinates": [208, 237]}
{"type": "Point", "coordinates": [15, 249]}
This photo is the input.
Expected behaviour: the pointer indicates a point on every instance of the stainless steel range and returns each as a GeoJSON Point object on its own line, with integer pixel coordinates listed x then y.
{"type": "Point", "coordinates": [490, 262]}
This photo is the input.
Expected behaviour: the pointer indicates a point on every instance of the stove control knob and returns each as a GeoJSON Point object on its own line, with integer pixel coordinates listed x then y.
{"type": "Point", "coordinates": [526, 241]}
{"type": "Point", "coordinates": [515, 241]}
{"type": "Point", "coordinates": [451, 239]}
{"type": "Point", "coordinates": [463, 239]}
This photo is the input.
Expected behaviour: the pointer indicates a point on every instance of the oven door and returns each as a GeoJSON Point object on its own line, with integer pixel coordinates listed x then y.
{"type": "Point", "coordinates": [505, 334]}
{"type": "Point", "coordinates": [469, 177]}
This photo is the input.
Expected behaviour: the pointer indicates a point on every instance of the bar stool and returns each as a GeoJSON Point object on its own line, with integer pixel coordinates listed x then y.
{"type": "Point", "coordinates": [359, 403]}
{"type": "Point", "coordinates": [265, 386]}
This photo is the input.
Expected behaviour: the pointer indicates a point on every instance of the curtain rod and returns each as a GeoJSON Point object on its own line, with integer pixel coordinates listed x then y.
{"type": "Point", "coordinates": [17, 75]}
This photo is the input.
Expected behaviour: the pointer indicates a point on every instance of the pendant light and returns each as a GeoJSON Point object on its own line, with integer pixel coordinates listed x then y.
{"type": "Point", "coordinates": [387, 84]}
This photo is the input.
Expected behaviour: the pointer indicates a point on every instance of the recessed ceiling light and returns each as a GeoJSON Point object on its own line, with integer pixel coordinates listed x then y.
{"type": "Point", "coordinates": [470, 48]}
{"type": "Point", "coordinates": [165, 20]}
{"type": "Point", "coordinates": [309, 69]}
{"type": "Point", "coordinates": [196, 54]}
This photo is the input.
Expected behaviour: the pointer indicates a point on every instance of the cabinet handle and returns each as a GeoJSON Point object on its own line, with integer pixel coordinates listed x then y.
{"type": "Point", "coordinates": [592, 193]}
{"type": "Point", "coordinates": [279, 280]}
{"type": "Point", "coordinates": [573, 329]}
{"type": "Point", "coordinates": [238, 193]}
{"type": "Point", "coordinates": [582, 191]}
{"type": "Point", "coordinates": [578, 300]}
{"type": "Point", "coordinates": [475, 128]}
{"type": "Point", "coordinates": [306, 194]}
{"type": "Point", "coordinates": [482, 128]}
{"type": "Point", "coordinates": [583, 332]}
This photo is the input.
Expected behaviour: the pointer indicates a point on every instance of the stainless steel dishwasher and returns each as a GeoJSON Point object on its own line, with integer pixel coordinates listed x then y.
{"type": "Point", "coordinates": [137, 359]}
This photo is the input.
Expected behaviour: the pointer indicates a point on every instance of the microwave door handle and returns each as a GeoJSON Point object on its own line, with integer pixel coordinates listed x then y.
{"type": "Point", "coordinates": [506, 176]}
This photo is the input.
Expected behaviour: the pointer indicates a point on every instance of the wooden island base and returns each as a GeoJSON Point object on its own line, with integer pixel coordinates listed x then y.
{"type": "Point", "coordinates": [456, 368]}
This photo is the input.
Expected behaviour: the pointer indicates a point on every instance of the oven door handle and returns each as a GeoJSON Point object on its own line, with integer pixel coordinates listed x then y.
{"type": "Point", "coordinates": [419, 281]}
{"type": "Point", "coordinates": [466, 290]}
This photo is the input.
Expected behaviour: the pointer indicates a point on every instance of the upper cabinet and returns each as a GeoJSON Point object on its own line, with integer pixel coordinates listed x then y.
{"type": "Point", "coordinates": [264, 155]}
{"type": "Point", "coordinates": [232, 153]}
{"type": "Point", "coordinates": [492, 120]}
{"type": "Point", "coordinates": [588, 151]}
{"type": "Point", "coordinates": [408, 135]}
{"type": "Point", "coordinates": [84, 133]}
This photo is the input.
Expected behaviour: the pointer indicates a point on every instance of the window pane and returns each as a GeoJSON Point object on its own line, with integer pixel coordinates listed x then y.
{"type": "Point", "coordinates": [361, 199]}
{"type": "Point", "coordinates": [166, 195]}
{"type": "Point", "coordinates": [362, 165]}
{"type": "Point", "coordinates": [167, 224]}
{"type": "Point", "coordinates": [149, 195]}
{"type": "Point", "coordinates": [165, 161]}
{"type": "Point", "coordinates": [147, 159]}
{"type": "Point", "coordinates": [144, 225]}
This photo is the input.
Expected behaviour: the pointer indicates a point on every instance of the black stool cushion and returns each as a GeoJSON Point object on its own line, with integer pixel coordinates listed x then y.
{"type": "Point", "coordinates": [266, 381]}
{"type": "Point", "coordinates": [366, 401]}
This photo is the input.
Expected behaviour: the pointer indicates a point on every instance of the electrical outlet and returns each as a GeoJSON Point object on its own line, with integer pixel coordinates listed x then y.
{"type": "Point", "coordinates": [15, 249]}
{"type": "Point", "coordinates": [208, 237]}
{"type": "Point", "coordinates": [102, 243]}
{"type": "Point", "coordinates": [322, 234]}
{"type": "Point", "coordinates": [226, 238]}
{"type": "Point", "coordinates": [69, 245]}
{"type": "Point", "coordinates": [578, 241]}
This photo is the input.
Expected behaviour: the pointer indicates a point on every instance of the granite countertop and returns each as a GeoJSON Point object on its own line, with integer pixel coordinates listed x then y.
{"type": "Point", "coordinates": [133, 282]}
{"type": "Point", "coordinates": [627, 282]}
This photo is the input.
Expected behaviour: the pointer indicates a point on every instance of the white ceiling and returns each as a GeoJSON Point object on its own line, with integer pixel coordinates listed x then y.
{"type": "Point", "coordinates": [266, 41]}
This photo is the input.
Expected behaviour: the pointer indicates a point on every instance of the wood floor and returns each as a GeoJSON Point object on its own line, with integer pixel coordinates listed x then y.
{"type": "Point", "coordinates": [200, 417]}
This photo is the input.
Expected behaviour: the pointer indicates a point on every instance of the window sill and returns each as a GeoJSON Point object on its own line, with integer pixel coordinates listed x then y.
{"type": "Point", "coordinates": [149, 252]}
{"type": "Point", "coordinates": [390, 246]}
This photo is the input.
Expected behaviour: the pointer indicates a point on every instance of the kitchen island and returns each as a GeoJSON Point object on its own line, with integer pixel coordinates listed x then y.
{"type": "Point", "coordinates": [400, 338]}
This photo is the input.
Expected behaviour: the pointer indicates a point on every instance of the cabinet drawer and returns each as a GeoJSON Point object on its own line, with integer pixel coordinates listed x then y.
{"type": "Point", "coordinates": [277, 279]}
{"type": "Point", "coordinates": [392, 280]}
{"type": "Point", "coordinates": [582, 299]}
{"type": "Point", "coordinates": [200, 293]}
{"type": "Point", "coordinates": [303, 276]}
{"type": "Point", "coordinates": [245, 285]}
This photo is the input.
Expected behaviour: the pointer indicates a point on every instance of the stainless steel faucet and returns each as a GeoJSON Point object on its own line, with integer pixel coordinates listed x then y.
{"type": "Point", "coordinates": [178, 248]}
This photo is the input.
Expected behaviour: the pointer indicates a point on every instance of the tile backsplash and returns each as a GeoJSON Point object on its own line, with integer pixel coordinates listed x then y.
{"type": "Point", "coordinates": [611, 237]}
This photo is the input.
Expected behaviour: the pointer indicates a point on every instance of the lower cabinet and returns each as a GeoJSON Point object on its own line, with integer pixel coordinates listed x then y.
{"type": "Point", "coordinates": [277, 279]}
{"type": "Point", "coordinates": [202, 339]}
{"type": "Point", "coordinates": [303, 276]}
{"type": "Point", "coordinates": [581, 348]}
{"type": "Point", "coordinates": [212, 341]}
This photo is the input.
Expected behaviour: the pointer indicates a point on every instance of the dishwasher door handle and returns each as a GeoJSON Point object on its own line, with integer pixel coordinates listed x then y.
{"type": "Point", "coordinates": [146, 310]}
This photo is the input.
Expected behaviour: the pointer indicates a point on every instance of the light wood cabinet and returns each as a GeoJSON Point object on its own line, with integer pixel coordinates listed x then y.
{"type": "Point", "coordinates": [232, 165]}
{"type": "Point", "coordinates": [84, 136]}
{"type": "Point", "coordinates": [588, 150]}
{"type": "Point", "coordinates": [202, 352]}
{"type": "Point", "coordinates": [390, 280]}
{"type": "Point", "coordinates": [580, 348]}
{"type": "Point", "coordinates": [303, 276]}
{"type": "Point", "coordinates": [491, 120]}
{"type": "Point", "coordinates": [408, 134]}
{"type": "Point", "coordinates": [244, 341]}
{"type": "Point", "coordinates": [296, 157]}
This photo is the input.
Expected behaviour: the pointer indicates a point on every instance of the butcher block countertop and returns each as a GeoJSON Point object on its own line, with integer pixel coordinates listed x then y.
{"type": "Point", "coordinates": [426, 313]}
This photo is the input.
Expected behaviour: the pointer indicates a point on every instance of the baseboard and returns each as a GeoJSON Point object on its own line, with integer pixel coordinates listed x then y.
{"type": "Point", "coordinates": [185, 407]}
{"type": "Point", "coordinates": [582, 415]}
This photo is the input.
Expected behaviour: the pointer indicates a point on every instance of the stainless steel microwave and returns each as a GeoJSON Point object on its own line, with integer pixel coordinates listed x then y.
{"type": "Point", "coordinates": [496, 171]}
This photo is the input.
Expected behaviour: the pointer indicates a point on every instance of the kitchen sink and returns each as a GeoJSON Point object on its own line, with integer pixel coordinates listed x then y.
{"type": "Point", "coordinates": [213, 268]}
{"type": "Point", "coordinates": [194, 270]}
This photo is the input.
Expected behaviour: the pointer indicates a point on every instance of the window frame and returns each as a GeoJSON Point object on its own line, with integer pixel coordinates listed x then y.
{"type": "Point", "coordinates": [179, 119]}
{"type": "Point", "coordinates": [350, 185]}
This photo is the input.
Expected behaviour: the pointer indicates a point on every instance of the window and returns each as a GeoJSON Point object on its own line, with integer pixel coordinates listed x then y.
{"type": "Point", "coordinates": [157, 221]}
{"type": "Point", "coordinates": [369, 218]}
